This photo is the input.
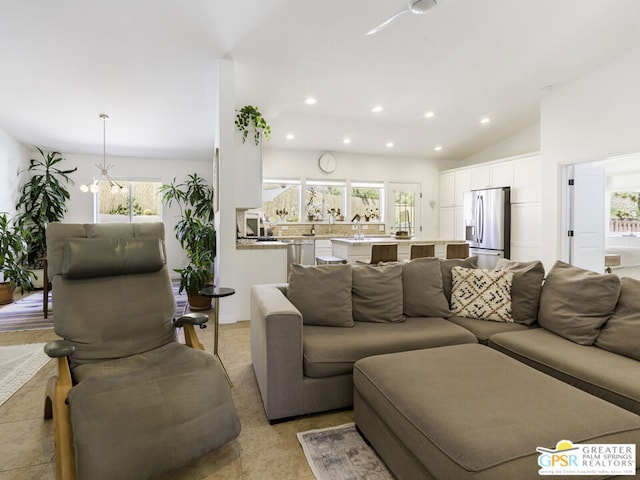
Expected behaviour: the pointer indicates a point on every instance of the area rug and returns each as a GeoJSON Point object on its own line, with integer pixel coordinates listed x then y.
{"type": "Point", "coordinates": [27, 313]}
{"type": "Point", "coordinates": [340, 453]}
{"type": "Point", "coordinates": [18, 363]}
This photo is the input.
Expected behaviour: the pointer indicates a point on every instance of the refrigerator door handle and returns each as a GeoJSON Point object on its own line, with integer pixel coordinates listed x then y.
{"type": "Point", "coordinates": [480, 218]}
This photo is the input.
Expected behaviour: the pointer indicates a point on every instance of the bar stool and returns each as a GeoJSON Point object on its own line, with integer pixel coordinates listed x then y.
{"type": "Point", "coordinates": [420, 251]}
{"type": "Point", "coordinates": [382, 252]}
{"type": "Point", "coordinates": [457, 250]}
{"type": "Point", "coordinates": [330, 260]}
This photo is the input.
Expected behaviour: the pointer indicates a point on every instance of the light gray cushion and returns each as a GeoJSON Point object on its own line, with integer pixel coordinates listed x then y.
{"type": "Point", "coordinates": [423, 295]}
{"type": "Point", "coordinates": [621, 334]}
{"type": "Point", "coordinates": [377, 293]}
{"type": "Point", "coordinates": [482, 294]}
{"type": "Point", "coordinates": [322, 293]}
{"type": "Point", "coordinates": [445, 271]}
{"type": "Point", "coordinates": [467, 412]}
{"type": "Point", "coordinates": [575, 303]}
{"type": "Point", "coordinates": [139, 416]}
{"type": "Point", "coordinates": [526, 288]}
{"type": "Point", "coordinates": [103, 257]}
{"type": "Point", "coordinates": [333, 351]}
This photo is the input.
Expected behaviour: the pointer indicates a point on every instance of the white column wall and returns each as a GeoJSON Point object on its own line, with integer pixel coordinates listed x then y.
{"type": "Point", "coordinates": [13, 158]}
{"type": "Point", "coordinates": [593, 118]}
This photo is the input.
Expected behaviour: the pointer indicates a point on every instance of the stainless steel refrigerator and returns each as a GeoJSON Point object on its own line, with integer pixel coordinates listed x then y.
{"type": "Point", "coordinates": [487, 217]}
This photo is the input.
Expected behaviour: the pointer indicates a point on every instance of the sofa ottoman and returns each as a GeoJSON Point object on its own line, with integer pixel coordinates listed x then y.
{"type": "Point", "coordinates": [468, 411]}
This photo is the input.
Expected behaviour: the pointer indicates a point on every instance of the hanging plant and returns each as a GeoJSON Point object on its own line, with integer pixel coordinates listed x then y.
{"type": "Point", "coordinates": [249, 118]}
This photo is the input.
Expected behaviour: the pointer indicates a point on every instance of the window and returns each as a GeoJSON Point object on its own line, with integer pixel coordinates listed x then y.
{"type": "Point", "coordinates": [281, 200]}
{"type": "Point", "coordinates": [624, 212]}
{"type": "Point", "coordinates": [404, 210]}
{"type": "Point", "coordinates": [322, 199]}
{"type": "Point", "coordinates": [367, 200]}
{"type": "Point", "coordinates": [135, 202]}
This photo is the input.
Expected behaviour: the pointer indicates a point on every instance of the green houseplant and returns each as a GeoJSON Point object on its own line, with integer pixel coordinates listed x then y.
{"type": "Point", "coordinates": [42, 200]}
{"type": "Point", "coordinates": [13, 244]}
{"type": "Point", "coordinates": [249, 118]}
{"type": "Point", "coordinates": [196, 234]}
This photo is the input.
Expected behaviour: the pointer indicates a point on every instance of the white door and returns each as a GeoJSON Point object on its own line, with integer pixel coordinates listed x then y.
{"type": "Point", "coordinates": [586, 217]}
{"type": "Point", "coordinates": [403, 207]}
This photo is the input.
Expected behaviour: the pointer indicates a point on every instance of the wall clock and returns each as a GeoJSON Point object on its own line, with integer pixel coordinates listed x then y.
{"type": "Point", "coordinates": [327, 163]}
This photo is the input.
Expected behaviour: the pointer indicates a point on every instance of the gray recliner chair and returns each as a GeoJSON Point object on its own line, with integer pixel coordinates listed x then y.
{"type": "Point", "coordinates": [129, 401]}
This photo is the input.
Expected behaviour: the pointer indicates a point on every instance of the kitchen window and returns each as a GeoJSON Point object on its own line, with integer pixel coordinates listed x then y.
{"type": "Point", "coordinates": [281, 200]}
{"type": "Point", "coordinates": [367, 200]}
{"type": "Point", "coordinates": [323, 199]}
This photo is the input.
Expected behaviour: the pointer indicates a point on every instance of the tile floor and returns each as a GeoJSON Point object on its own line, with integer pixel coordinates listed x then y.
{"type": "Point", "coordinates": [261, 452]}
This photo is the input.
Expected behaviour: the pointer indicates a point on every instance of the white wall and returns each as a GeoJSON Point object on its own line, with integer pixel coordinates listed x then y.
{"type": "Point", "coordinates": [285, 163]}
{"type": "Point", "coordinates": [521, 143]}
{"type": "Point", "coordinates": [595, 117]}
{"type": "Point", "coordinates": [13, 158]}
{"type": "Point", "coordinates": [80, 205]}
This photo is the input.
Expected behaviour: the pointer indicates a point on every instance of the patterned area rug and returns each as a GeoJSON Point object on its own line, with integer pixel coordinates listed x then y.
{"type": "Point", "coordinates": [18, 363]}
{"type": "Point", "coordinates": [340, 453]}
{"type": "Point", "coordinates": [27, 313]}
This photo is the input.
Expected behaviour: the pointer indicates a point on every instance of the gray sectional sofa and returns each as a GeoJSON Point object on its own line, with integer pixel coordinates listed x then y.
{"type": "Point", "coordinates": [306, 335]}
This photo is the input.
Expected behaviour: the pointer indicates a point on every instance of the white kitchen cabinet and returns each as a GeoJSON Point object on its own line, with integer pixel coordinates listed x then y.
{"type": "Point", "coordinates": [323, 248]}
{"type": "Point", "coordinates": [462, 184]}
{"type": "Point", "coordinates": [248, 163]}
{"type": "Point", "coordinates": [526, 231]}
{"type": "Point", "coordinates": [527, 180]}
{"type": "Point", "coordinates": [480, 177]}
{"type": "Point", "coordinates": [447, 188]}
{"type": "Point", "coordinates": [502, 174]}
{"type": "Point", "coordinates": [458, 223]}
{"type": "Point", "coordinates": [447, 222]}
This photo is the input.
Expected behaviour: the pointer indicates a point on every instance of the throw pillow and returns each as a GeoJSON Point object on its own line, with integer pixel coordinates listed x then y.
{"type": "Point", "coordinates": [525, 292]}
{"type": "Point", "coordinates": [445, 270]}
{"type": "Point", "coordinates": [377, 293]}
{"type": "Point", "coordinates": [575, 302]}
{"type": "Point", "coordinates": [423, 295]}
{"type": "Point", "coordinates": [621, 333]}
{"type": "Point", "coordinates": [482, 294]}
{"type": "Point", "coordinates": [322, 294]}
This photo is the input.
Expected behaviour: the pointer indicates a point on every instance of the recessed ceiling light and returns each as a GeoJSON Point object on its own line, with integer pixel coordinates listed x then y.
{"type": "Point", "coordinates": [290, 136]}
{"type": "Point", "coordinates": [429, 114]}
{"type": "Point", "coordinates": [346, 140]}
{"type": "Point", "coordinates": [485, 120]}
{"type": "Point", "coordinates": [438, 148]}
{"type": "Point", "coordinates": [311, 101]}
{"type": "Point", "coordinates": [377, 109]}
{"type": "Point", "coordinates": [389, 144]}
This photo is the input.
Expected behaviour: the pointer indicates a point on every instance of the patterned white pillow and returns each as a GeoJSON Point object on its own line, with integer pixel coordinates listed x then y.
{"type": "Point", "coordinates": [480, 293]}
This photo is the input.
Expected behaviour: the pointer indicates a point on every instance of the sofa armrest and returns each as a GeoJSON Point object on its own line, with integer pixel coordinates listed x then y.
{"type": "Point", "coordinates": [276, 350]}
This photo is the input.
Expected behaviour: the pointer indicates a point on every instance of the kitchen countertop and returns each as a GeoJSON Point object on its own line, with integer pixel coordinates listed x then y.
{"type": "Point", "coordinates": [369, 241]}
{"type": "Point", "coordinates": [254, 245]}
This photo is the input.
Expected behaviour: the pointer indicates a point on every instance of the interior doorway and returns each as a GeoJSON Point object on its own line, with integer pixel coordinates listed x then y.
{"type": "Point", "coordinates": [602, 214]}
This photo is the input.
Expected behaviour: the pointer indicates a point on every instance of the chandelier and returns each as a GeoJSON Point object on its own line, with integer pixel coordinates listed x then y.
{"type": "Point", "coordinates": [104, 168]}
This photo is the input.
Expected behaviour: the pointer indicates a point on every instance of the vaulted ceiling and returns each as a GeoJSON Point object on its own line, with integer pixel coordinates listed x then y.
{"type": "Point", "coordinates": [151, 65]}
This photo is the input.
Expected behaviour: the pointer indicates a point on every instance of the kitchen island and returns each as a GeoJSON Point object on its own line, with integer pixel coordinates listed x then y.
{"type": "Point", "coordinates": [360, 249]}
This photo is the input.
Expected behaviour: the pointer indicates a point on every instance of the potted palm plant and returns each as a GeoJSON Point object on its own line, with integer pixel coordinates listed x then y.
{"type": "Point", "coordinates": [42, 200]}
{"type": "Point", "coordinates": [13, 245]}
{"type": "Point", "coordinates": [196, 234]}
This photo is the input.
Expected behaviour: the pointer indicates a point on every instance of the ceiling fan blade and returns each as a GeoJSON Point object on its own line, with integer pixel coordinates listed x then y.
{"type": "Point", "coordinates": [387, 22]}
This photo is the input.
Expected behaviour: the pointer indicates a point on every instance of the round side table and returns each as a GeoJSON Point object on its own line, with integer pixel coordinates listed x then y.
{"type": "Point", "coordinates": [217, 293]}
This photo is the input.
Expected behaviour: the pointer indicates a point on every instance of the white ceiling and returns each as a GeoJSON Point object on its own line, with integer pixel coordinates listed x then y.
{"type": "Point", "coordinates": [151, 66]}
